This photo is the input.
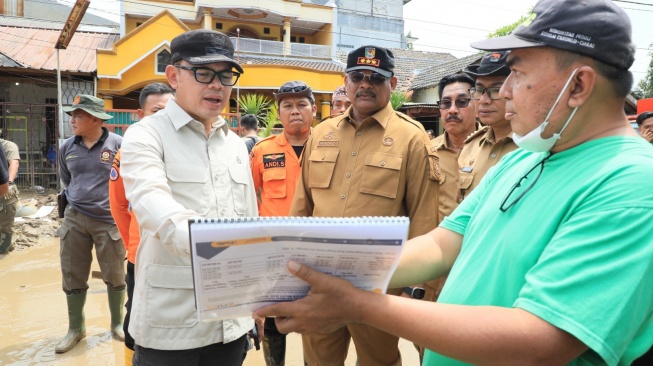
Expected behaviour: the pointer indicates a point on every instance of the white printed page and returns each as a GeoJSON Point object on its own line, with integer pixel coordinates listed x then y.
{"type": "Point", "coordinates": [242, 266]}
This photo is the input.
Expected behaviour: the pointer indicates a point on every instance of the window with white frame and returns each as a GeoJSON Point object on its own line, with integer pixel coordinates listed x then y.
{"type": "Point", "coordinates": [162, 60]}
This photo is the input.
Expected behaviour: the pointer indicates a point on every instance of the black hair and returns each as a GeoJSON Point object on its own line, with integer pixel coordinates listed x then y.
{"type": "Point", "coordinates": [454, 78]}
{"type": "Point", "coordinates": [643, 117]}
{"type": "Point", "coordinates": [249, 122]}
{"type": "Point", "coordinates": [620, 79]}
{"type": "Point", "coordinates": [153, 89]}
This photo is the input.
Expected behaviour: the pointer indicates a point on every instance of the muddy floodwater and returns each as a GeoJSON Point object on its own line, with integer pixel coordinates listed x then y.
{"type": "Point", "coordinates": [34, 316]}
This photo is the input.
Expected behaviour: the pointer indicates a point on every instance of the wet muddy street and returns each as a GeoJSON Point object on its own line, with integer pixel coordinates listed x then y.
{"type": "Point", "coordinates": [34, 316]}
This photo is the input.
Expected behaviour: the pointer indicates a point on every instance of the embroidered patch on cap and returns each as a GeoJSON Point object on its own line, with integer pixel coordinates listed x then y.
{"type": "Point", "coordinates": [495, 57]}
{"type": "Point", "coordinates": [368, 61]}
{"type": "Point", "coordinates": [370, 52]}
{"type": "Point", "coordinates": [77, 100]}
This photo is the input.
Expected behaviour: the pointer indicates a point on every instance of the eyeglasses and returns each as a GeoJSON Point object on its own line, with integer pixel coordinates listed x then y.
{"type": "Point", "coordinates": [374, 77]}
{"type": "Point", "coordinates": [205, 75]}
{"type": "Point", "coordinates": [460, 103]}
{"type": "Point", "coordinates": [504, 205]}
{"type": "Point", "coordinates": [492, 93]}
{"type": "Point", "coordinates": [293, 89]}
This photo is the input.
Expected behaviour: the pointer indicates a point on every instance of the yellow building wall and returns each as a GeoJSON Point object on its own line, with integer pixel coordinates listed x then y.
{"type": "Point", "coordinates": [324, 36]}
{"type": "Point", "coordinates": [130, 24]}
{"type": "Point", "coordinates": [230, 26]}
{"type": "Point", "coordinates": [135, 78]}
{"type": "Point", "coordinates": [130, 64]}
{"type": "Point", "coordinates": [130, 48]}
{"type": "Point", "coordinates": [260, 76]}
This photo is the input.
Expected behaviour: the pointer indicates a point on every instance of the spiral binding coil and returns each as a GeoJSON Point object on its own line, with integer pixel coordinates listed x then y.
{"type": "Point", "coordinates": [272, 220]}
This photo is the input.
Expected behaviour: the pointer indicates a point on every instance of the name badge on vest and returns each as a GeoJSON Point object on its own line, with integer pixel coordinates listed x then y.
{"type": "Point", "coordinates": [274, 160]}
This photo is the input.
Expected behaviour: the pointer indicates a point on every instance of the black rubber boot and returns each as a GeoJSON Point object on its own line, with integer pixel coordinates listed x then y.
{"type": "Point", "coordinates": [6, 245]}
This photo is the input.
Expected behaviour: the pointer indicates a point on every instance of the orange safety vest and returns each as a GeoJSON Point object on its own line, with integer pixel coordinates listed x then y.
{"type": "Point", "coordinates": [121, 211]}
{"type": "Point", "coordinates": [275, 169]}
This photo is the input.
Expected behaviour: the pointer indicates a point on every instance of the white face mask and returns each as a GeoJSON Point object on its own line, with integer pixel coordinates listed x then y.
{"type": "Point", "coordinates": [533, 140]}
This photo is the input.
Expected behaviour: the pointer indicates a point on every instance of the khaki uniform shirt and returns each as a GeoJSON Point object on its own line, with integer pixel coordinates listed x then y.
{"type": "Point", "coordinates": [10, 149]}
{"type": "Point", "coordinates": [382, 168]}
{"type": "Point", "coordinates": [11, 153]}
{"type": "Point", "coordinates": [480, 153]}
{"type": "Point", "coordinates": [448, 194]}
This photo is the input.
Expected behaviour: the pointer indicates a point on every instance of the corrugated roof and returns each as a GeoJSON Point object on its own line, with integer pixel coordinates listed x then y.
{"type": "Point", "coordinates": [11, 21]}
{"type": "Point", "coordinates": [409, 62]}
{"type": "Point", "coordinates": [430, 77]}
{"type": "Point", "coordinates": [409, 105]}
{"type": "Point", "coordinates": [34, 48]}
{"type": "Point", "coordinates": [296, 62]}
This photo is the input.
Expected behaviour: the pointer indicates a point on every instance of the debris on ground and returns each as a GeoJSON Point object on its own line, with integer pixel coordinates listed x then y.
{"type": "Point", "coordinates": [29, 232]}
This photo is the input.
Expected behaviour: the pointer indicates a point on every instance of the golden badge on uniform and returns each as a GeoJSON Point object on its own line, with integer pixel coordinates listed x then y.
{"type": "Point", "coordinates": [388, 141]}
{"type": "Point", "coordinates": [105, 156]}
{"type": "Point", "coordinates": [330, 135]}
{"type": "Point", "coordinates": [327, 143]}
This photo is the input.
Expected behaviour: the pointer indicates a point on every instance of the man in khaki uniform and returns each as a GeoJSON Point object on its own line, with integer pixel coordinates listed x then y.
{"type": "Point", "coordinates": [459, 121]}
{"type": "Point", "coordinates": [487, 146]}
{"type": "Point", "coordinates": [275, 169]}
{"type": "Point", "coordinates": [369, 161]}
{"type": "Point", "coordinates": [9, 202]}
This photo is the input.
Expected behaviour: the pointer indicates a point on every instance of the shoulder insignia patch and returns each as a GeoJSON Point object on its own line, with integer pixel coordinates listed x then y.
{"type": "Point", "coordinates": [114, 174]}
{"type": "Point", "coordinates": [475, 134]}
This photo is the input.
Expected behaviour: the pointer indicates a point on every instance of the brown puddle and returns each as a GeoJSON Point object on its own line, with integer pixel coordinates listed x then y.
{"type": "Point", "coordinates": [34, 317]}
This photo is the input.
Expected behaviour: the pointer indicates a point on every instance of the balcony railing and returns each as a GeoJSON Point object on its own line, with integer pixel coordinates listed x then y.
{"type": "Point", "coordinates": [123, 118]}
{"type": "Point", "coordinates": [276, 48]}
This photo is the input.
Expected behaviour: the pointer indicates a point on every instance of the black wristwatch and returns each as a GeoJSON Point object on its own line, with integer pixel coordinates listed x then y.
{"type": "Point", "coordinates": [415, 292]}
{"type": "Point", "coordinates": [11, 182]}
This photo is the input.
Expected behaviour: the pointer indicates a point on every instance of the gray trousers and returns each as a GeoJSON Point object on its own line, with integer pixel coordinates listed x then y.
{"type": "Point", "coordinates": [77, 235]}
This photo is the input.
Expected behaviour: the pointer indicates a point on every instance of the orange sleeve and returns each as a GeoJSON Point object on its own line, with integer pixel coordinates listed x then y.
{"type": "Point", "coordinates": [118, 201]}
{"type": "Point", "coordinates": [256, 170]}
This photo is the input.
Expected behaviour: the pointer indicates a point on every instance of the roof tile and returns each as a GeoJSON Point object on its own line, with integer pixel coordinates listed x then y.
{"type": "Point", "coordinates": [34, 48]}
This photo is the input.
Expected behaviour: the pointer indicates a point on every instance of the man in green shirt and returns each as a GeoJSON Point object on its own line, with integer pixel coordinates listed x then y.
{"type": "Point", "coordinates": [551, 263]}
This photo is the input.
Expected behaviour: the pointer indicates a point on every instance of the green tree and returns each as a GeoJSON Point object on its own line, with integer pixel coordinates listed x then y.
{"type": "Point", "coordinates": [645, 86]}
{"type": "Point", "coordinates": [397, 99]}
{"type": "Point", "coordinates": [507, 29]}
{"type": "Point", "coordinates": [256, 104]}
{"type": "Point", "coordinates": [270, 119]}
{"type": "Point", "coordinates": [409, 45]}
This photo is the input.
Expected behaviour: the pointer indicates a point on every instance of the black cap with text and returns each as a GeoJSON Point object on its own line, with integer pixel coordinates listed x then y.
{"type": "Point", "coordinates": [371, 58]}
{"type": "Point", "coordinates": [595, 28]}
{"type": "Point", "coordinates": [203, 46]}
